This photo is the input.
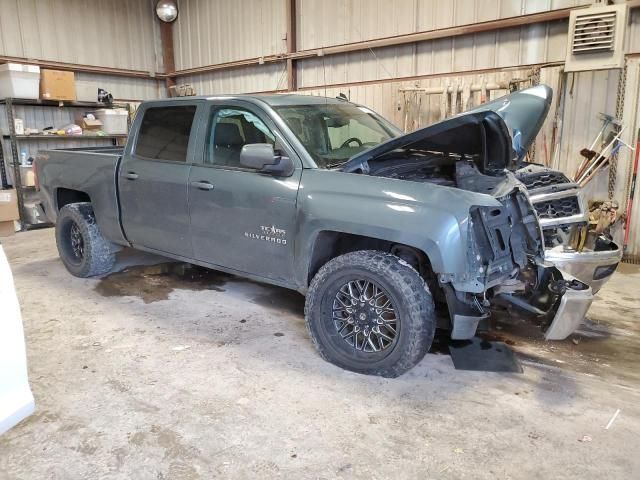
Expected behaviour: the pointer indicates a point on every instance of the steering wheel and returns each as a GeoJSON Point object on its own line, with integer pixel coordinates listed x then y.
{"type": "Point", "coordinates": [349, 140]}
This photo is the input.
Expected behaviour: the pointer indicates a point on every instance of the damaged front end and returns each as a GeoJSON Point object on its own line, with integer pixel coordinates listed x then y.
{"type": "Point", "coordinates": [506, 249]}
{"type": "Point", "coordinates": [570, 245]}
{"type": "Point", "coordinates": [479, 151]}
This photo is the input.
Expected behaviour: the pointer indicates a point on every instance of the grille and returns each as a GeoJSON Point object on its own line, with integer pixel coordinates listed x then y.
{"type": "Point", "coordinates": [542, 179]}
{"type": "Point", "coordinates": [562, 207]}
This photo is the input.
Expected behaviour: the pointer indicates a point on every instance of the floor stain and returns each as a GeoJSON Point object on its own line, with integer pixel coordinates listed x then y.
{"type": "Point", "coordinates": [137, 438]}
{"type": "Point", "coordinates": [173, 444]}
{"type": "Point", "coordinates": [281, 299]}
{"type": "Point", "coordinates": [594, 349]}
{"type": "Point", "coordinates": [155, 283]}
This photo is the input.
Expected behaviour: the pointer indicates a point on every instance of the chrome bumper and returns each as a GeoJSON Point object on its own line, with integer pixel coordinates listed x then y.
{"type": "Point", "coordinates": [591, 267]}
{"type": "Point", "coordinates": [573, 308]}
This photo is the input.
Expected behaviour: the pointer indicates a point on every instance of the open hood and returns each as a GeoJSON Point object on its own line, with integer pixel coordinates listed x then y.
{"type": "Point", "coordinates": [523, 112]}
{"type": "Point", "coordinates": [500, 132]}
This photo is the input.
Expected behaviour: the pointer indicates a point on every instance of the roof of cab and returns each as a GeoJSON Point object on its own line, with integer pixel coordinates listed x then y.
{"type": "Point", "coordinates": [274, 100]}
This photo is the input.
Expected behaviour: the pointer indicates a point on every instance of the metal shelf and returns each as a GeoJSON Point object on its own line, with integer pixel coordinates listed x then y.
{"type": "Point", "coordinates": [9, 104]}
{"type": "Point", "coordinates": [59, 137]}
{"type": "Point", "coordinates": [58, 103]}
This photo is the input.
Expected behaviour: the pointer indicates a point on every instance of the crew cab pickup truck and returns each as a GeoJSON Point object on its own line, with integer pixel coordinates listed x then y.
{"type": "Point", "coordinates": [388, 235]}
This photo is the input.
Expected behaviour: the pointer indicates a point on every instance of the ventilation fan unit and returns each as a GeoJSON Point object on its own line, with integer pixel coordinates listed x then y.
{"type": "Point", "coordinates": [596, 38]}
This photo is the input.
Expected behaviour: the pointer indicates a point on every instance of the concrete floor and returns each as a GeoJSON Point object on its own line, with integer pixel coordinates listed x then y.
{"type": "Point", "coordinates": [155, 376]}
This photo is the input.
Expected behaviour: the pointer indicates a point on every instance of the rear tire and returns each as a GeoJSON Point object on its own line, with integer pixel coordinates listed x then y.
{"type": "Point", "coordinates": [370, 312]}
{"type": "Point", "coordinates": [81, 246]}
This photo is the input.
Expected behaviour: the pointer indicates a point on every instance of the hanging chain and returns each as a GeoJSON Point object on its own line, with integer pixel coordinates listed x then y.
{"type": "Point", "coordinates": [613, 162]}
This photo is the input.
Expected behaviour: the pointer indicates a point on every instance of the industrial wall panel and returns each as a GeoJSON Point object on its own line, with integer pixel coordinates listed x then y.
{"type": "Point", "coordinates": [208, 32]}
{"type": "Point", "coordinates": [586, 95]}
{"type": "Point", "coordinates": [110, 33]}
{"type": "Point", "coordinates": [125, 88]}
{"type": "Point", "coordinates": [259, 78]}
{"type": "Point", "coordinates": [526, 45]}
{"type": "Point", "coordinates": [334, 22]}
{"type": "Point", "coordinates": [409, 110]}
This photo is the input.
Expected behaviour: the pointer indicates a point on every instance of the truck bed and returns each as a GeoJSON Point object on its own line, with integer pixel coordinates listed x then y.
{"type": "Point", "coordinates": [82, 174]}
{"type": "Point", "coordinates": [119, 150]}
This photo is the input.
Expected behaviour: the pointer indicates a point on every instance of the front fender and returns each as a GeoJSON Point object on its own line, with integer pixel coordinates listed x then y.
{"type": "Point", "coordinates": [431, 218]}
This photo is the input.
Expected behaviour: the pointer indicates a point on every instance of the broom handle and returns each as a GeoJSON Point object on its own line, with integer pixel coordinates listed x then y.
{"type": "Point", "coordinates": [631, 195]}
{"type": "Point", "coordinates": [587, 174]}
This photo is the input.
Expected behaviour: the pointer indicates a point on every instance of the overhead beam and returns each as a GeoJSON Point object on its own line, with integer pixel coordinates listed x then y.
{"type": "Point", "coordinates": [292, 78]}
{"type": "Point", "coordinates": [168, 58]}
{"type": "Point", "coordinates": [78, 67]}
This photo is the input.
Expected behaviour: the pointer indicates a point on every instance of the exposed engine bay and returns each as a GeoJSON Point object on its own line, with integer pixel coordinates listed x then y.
{"type": "Point", "coordinates": [478, 152]}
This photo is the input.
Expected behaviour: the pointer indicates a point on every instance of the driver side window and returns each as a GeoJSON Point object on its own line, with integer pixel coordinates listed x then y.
{"type": "Point", "coordinates": [231, 129]}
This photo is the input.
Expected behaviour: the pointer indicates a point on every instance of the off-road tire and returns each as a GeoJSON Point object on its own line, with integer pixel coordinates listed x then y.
{"type": "Point", "coordinates": [98, 255]}
{"type": "Point", "coordinates": [406, 289]}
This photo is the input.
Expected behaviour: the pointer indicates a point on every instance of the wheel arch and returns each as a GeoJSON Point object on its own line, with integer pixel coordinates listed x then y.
{"type": "Point", "coordinates": [329, 244]}
{"type": "Point", "coordinates": [65, 196]}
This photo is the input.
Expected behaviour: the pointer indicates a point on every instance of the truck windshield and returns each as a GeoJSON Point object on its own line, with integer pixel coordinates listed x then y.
{"type": "Point", "coordinates": [332, 133]}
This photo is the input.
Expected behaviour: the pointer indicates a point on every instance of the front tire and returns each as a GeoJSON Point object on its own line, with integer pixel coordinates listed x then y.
{"type": "Point", "coordinates": [81, 246]}
{"type": "Point", "coordinates": [370, 312]}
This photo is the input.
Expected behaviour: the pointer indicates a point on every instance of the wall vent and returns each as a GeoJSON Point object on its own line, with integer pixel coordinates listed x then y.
{"type": "Point", "coordinates": [596, 38]}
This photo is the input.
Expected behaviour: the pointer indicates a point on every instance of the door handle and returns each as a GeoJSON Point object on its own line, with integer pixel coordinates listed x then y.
{"type": "Point", "coordinates": [202, 185]}
{"type": "Point", "coordinates": [131, 175]}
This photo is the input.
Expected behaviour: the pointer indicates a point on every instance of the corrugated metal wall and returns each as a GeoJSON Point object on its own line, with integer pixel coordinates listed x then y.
{"type": "Point", "coordinates": [531, 44]}
{"type": "Point", "coordinates": [258, 78]}
{"type": "Point", "coordinates": [208, 32]}
{"type": "Point", "coordinates": [108, 33]}
{"type": "Point", "coordinates": [334, 22]}
{"type": "Point", "coordinates": [389, 100]}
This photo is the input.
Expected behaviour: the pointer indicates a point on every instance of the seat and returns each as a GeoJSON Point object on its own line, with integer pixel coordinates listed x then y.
{"type": "Point", "coordinates": [228, 143]}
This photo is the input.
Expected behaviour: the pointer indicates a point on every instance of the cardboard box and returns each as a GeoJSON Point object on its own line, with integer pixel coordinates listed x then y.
{"type": "Point", "coordinates": [57, 85]}
{"type": "Point", "coordinates": [91, 124]}
{"type": "Point", "coordinates": [8, 205]}
{"type": "Point", "coordinates": [7, 228]}
{"type": "Point", "coordinates": [27, 176]}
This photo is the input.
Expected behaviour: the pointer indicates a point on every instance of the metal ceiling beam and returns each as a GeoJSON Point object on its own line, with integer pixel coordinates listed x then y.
{"type": "Point", "coordinates": [78, 67]}
{"type": "Point", "coordinates": [168, 59]}
{"type": "Point", "coordinates": [292, 77]}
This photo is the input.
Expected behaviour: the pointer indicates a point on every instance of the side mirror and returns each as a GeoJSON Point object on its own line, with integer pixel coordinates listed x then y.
{"type": "Point", "coordinates": [262, 157]}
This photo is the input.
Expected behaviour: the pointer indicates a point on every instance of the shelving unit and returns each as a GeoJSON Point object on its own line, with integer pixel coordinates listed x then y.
{"type": "Point", "coordinates": [63, 137]}
{"type": "Point", "coordinates": [14, 139]}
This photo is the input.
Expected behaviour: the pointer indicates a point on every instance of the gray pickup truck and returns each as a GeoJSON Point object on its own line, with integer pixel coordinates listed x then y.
{"type": "Point", "coordinates": [388, 235]}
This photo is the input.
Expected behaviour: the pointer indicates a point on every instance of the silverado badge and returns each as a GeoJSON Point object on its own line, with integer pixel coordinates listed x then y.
{"type": "Point", "coordinates": [270, 234]}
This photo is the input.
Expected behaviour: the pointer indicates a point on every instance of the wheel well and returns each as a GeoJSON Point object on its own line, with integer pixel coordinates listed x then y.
{"type": "Point", "coordinates": [65, 196]}
{"type": "Point", "coordinates": [329, 245]}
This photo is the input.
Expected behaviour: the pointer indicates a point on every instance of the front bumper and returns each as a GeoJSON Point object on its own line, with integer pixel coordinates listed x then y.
{"type": "Point", "coordinates": [591, 267]}
{"type": "Point", "coordinates": [573, 308]}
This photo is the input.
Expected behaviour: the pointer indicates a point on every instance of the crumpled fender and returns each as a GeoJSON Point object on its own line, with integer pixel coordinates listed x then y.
{"type": "Point", "coordinates": [431, 218]}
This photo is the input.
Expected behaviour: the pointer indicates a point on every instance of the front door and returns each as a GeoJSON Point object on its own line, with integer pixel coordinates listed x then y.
{"type": "Point", "coordinates": [153, 180]}
{"type": "Point", "coordinates": [242, 219]}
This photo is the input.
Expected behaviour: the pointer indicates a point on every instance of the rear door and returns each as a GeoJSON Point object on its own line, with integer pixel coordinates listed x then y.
{"type": "Point", "coordinates": [154, 175]}
{"type": "Point", "coordinates": [242, 219]}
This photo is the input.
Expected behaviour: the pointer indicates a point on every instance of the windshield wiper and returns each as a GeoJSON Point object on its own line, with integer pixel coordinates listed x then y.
{"type": "Point", "coordinates": [335, 165]}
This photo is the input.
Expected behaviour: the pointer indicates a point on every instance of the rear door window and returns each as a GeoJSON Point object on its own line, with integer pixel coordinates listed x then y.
{"type": "Point", "coordinates": [164, 133]}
